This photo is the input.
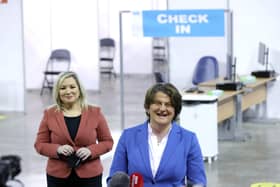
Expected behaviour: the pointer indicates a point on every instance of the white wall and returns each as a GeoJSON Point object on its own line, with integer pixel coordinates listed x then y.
{"type": "Point", "coordinates": [11, 57]}
{"type": "Point", "coordinates": [186, 51]}
{"type": "Point", "coordinates": [61, 24]}
{"type": "Point", "coordinates": [137, 55]}
{"type": "Point", "coordinates": [255, 21]}
{"type": "Point", "coordinates": [51, 24]}
{"type": "Point", "coordinates": [37, 40]}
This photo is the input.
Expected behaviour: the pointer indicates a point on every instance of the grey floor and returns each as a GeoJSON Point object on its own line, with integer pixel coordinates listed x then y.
{"type": "Point", "coordinates": [239, 164]}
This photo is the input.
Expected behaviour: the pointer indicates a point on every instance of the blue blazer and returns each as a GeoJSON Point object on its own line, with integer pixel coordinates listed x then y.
{"type": "Point", "coordinates": [181, 159]}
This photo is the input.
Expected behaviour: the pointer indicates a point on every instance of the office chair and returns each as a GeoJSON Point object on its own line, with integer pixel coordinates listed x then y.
{"type": "Point", "coordinates": [206, 69]}
{"type": "Point", "coordinates": [58, 62]}
{"type": "Point", "coordinates": [106, 56]}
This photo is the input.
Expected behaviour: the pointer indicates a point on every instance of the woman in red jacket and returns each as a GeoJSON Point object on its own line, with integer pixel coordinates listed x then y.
{"type": "Point", "coordinates": [73, 135]}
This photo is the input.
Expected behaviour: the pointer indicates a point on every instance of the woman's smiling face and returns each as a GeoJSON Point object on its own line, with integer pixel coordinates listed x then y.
{"type": "Point", "coordinates": [161, 110]}
{"type": "Point", "coordinates": [69, 92]}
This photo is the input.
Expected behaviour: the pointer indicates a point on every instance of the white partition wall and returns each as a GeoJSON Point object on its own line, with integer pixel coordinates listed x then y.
{"type": "Point", "coordinates": [61, 24]}
{"type": "Point", "coordinates": [11, 57]}
{"type": "Point", "coordinates": [255, 21]}
{"type": "Point", "coordinates": [78, 26]}
{"type": "Point", "coordinates": [185, 51]}
{"type": "Point", "coordinates": [261, 23]}
{"type": "Point", "coordinates": [74, 26]}
{"type": "Point", "coordinates": [137, 54]}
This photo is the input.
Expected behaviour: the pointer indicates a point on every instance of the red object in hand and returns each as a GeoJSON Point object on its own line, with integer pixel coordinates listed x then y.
{"type": "Point", "coordinates": [136, 180]}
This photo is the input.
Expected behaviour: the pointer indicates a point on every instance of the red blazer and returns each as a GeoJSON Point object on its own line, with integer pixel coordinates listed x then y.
{"type": "Point", "coordinates": [93, 133]}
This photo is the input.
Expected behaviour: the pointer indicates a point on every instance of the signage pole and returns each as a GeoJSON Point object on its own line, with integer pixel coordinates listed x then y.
{"type": "Point", "coordinates": [121, 70]}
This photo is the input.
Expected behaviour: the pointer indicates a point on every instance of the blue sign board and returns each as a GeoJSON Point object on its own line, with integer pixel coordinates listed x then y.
{"type": "Point", "coordinates": [182, 23]}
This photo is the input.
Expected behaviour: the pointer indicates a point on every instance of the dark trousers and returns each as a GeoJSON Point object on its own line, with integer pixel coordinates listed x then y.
{"type": "Point", "coordinates": [74, 181]}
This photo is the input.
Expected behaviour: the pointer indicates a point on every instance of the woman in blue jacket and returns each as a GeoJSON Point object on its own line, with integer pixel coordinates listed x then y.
{"type": "Point", "coordinates": [164, 153]}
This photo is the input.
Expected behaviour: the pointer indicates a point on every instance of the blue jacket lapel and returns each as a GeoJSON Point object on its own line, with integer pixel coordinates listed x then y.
{"type": "Point", "coordinates": [143, 145]}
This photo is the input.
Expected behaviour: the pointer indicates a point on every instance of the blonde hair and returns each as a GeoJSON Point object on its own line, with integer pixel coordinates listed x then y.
{"type": "Point", "coordinates": [57, 85]}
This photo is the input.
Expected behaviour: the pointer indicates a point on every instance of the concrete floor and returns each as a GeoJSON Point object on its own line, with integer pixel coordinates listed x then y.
{"type": "Point", "coordinates": [239, 164]}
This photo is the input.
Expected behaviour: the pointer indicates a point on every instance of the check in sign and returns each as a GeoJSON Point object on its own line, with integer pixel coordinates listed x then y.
{"type": "Point", "coordinates": [182, 23]}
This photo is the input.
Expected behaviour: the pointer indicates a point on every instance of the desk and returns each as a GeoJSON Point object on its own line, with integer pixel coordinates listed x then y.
{"type": "Point", "coordinates": [232, 103]}
{"type": "Point", "coordinates": [229, 117]}
{"type": "Point", "coordinates": [252, 94]}
{"type": "Point", "coordinates": [255, 94]}
{"type": "Point", "coordinates": [227, 105]}
{"type": "Point", "coordinates": [226, 108]}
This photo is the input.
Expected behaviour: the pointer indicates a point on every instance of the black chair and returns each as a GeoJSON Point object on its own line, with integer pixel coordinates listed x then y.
{"type": "Point", "coordinates": [159, 77]}
{"type": "Point", "coordinates": [107, 50]}
{"type": "Point", "coordinates": [58, 62]}
{"type": "Point", "coordinates": [206, 69]}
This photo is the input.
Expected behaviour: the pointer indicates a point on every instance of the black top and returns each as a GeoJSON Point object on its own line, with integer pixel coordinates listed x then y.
{"type": "Point", "coordinates": [72, 124]}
